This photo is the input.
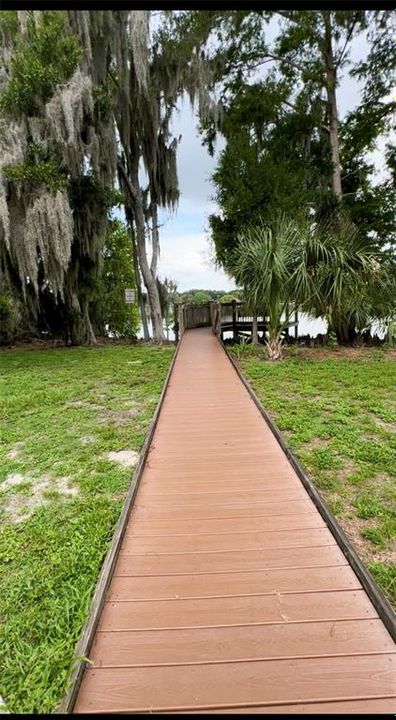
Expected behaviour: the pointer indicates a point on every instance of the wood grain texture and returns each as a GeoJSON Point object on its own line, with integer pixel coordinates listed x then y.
{"type": "Point", "coordinates": [245, 610]}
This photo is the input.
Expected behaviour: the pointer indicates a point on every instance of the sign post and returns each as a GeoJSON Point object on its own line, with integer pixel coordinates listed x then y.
{"type": "Point", "coordinates": [129, 296]}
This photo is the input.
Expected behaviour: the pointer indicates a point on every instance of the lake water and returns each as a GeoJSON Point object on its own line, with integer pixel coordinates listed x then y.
{"type": "Point", "coordinates": [306, 325]}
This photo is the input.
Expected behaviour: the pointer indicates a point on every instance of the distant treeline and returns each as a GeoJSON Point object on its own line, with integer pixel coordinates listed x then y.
{"type": "Point", "coordinates": [198, 296]}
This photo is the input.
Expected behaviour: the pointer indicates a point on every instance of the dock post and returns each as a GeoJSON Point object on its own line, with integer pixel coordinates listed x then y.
{"type": "Point", "coordinates": [287, 320]}
{"type": "Point", "coordinates": [234, 322]}
{"type": "Point", "coordinates": [176, 323]}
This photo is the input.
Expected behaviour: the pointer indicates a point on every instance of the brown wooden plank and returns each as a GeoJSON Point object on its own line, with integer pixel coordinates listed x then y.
{"type": "Point", "coordinates": [237, 541]}
{"type": "Point", "coordinates": [255, 581]}
{"type": "Point", "coordinates": [212, 511]}
{"type": "Point", "coordinates": [372, 707]}
{"type": "Point", "coordinates": [216, 487]}
{"type": "Point", "coordinates": [217, 493]}
{"type": "Point", "coordinates": [200, 686]}
{"type": "Point", "coordinates": [152, 564]}
{"type": "Point", "coordinates": [289, 497]}
{"type": "Point", "coordinates": [304, 607]}
{"type": "Point", "coordinates": [127, 649]}
{"type": "Point", "coordinates": [225, 525]}
{"type": "Point", "coordinates": [235, 474]}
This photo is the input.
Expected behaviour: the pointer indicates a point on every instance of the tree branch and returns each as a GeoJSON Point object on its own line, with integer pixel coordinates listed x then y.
{"type": "Point", "coordinates": [351, 29]}
{"type": "Point", "coordinates": [270, 57]}
{"type": "Point", "coordinates": [127, 181]}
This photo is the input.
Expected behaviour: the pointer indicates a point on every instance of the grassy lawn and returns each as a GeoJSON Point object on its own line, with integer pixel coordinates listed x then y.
{"type": "Point", "coordinates": [69, 417]}
{"type": "Point", "coordinates": [337, 411]}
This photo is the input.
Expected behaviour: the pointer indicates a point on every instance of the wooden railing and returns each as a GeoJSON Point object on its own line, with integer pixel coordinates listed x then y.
{"type": "Point", "coordinates": [222, 317]}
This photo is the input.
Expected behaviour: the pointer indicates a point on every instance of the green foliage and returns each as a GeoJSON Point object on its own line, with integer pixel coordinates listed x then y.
{"type": "Point", "coordinates": [45, 57]}
{"type": "Point", "coordinates": [9, 22]}
{"type": "Point", "coordinates": [391, 333]}
{"type": "Point", "coordinates": [339, 412]}
{"type": "Point", "coordinates": [230, 297]}
{"type": "Point", "coordinates": [60, 427]}
{"type": "Point", "coordinates": [331, 339]}
{"type": "Point", "coordinates": [385, 575]}
{"type": "Point", "coordinates": [38, 169]}
{"type": "Point", "coordinates": [278, 154]}
{"type": "Point", "coordinates": [110, 313]}
{"type": "Point", "coordinates": [197, 296]}
{"type": "Point", "coordinates": [103, 96]}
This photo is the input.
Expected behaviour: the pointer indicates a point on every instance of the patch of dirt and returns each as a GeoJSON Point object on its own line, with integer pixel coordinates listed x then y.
{"type": "Point", "coordinates": [15, 451]}
{"type": "Point", "coordinates": [119, 417]}
{"type": "Point", "coordinates": [390, 427]}
{"type": "Point", "coordinates": [19, 508]}
{"type": "Point", "coordinates": [353, 528]}
{"type": "Point", "coordinates": [339, 353]}
{"type": "Point", "coordinates": [12, 480]}
{"type": "Point", "coordinates": [365, 549]}
{"type": "Point", "coordinates": [348, 468]}
{"type": "Point", "coordinates": [372, 437]}
{"type": "Point", "coordinates": [126, 458]}
{"type": "Point", "coordinates": [83, 404]}
{"type": "Point", "coordinates": [315, 443]}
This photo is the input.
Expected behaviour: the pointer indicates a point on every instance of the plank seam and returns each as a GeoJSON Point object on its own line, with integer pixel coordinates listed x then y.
{"type": "Point", "coordinates": [234, 572]}
{"type": "Point", "coordinates": [206, 597]}
{"type": "Point", "coordinates": [244, 660]}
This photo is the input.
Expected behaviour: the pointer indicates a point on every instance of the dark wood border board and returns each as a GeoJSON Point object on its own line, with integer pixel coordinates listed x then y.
{"type": "Point", "coordinates": [381, 604]}
{"type": "Point", "coordinates": [84, 644]}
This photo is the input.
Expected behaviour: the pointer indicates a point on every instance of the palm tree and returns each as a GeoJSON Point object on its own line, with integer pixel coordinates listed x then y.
{"type": "Point", "coordinates": [261, 264]}
{"type": "Point", "coordinates": [315, 267]}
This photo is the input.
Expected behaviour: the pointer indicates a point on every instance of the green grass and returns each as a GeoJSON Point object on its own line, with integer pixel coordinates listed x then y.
{"type": "Point", "coordinates": [337, 411]}
{"type": "Point", "coordinates": [64, 410]}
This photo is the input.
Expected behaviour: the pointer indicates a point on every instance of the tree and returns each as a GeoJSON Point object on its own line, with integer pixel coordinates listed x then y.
{"type": "Point", "coordinates": [143, 118]}
{"type": "Point", "coordinates": [286, 147]}
{"type": "Point", "coordinates": [111, 315]}
{"type": "Point", "coordinates": [57, 167]}
{"type": "Point", "coordinates": [311, 266]}
{"type": "Point", "coordinates": [72, 80]}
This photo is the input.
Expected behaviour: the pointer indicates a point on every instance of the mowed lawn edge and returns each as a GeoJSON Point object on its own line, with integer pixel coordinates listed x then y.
{"type": "Point", "coordinates": [336, 409]}
{"type": "Point", "coordinates": [73, 423]}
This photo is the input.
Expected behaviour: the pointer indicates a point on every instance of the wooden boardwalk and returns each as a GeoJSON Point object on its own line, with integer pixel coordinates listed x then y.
{"type": "Point", "coordinates": [230, 594]}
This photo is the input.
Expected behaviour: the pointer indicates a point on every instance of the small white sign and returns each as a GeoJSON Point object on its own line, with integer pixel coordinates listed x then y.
{"type": "Point", "coordinates": [129, 296]}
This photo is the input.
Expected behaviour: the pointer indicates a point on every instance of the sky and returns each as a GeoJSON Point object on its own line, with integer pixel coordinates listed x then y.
{"type": "Point", "coordinates": [185, 246]}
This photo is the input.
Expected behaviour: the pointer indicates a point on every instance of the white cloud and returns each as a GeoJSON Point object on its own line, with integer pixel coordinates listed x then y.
{"type": "Point", "coordinates": [186, 260]}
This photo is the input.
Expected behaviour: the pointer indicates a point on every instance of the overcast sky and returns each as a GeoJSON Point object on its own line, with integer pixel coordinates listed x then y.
{"type": "Point", "coordinates": [185, 247]}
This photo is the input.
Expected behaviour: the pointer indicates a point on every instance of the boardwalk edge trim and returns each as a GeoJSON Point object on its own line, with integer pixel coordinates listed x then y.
{"type": "Point", "coordinates": [88, 632]}
{"type": "Point", "coordinates": [374, 592]}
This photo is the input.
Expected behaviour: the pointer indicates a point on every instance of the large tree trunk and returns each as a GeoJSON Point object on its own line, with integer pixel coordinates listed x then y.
{"type": "Point", "coordinates": [154, 239]}
{"type": "Point", "coordinates": [331, 81]}
{"type": "Point", "coordinates": [154, 248]}
{"type": "Point", "coordinates": [135, 193]}
{"type": "Point", "coordinates": [91, 339]}
{"type": "Point", "coordinates": [140, 297]}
